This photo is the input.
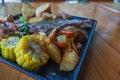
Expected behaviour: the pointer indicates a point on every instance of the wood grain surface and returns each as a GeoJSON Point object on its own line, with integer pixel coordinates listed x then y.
{"type": "Point", "coordinates": [114, 8]}
{"type": "Point", "coordinates": [103, 57]}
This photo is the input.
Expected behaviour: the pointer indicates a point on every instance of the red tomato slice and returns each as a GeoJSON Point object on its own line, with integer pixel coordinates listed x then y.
{"type": "Point", "coordinates": [62, 45]}
{"type": "Point", "coordinates": [69, 34]}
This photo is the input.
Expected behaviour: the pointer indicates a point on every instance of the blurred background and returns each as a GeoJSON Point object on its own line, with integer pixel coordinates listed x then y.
{"type": "Point", "coordinates": [69, 1]}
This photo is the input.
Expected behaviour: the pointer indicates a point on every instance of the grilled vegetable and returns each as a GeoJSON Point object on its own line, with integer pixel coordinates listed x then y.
{"type": "Point", "coordinates": [8, 18]}
{"type": "Point", "coordinates": [61, 45]}
{"type": "Point", "coordinates": [29, 53]}
{"type": "Point", "coordinates": [42, 37]}
{"type": "Point", "coordinates": [22, 19]}
{"type": "Point", "coordinates": [79, 45]}
{"type": "Point", "coordinates": [73, 44]}
{"type": "Point", "coordinates": [61, 41]}
{"type": "Point", "coordinates": [69, 60]}
{"type": "Point", "coordinates": [69, 34]}
{"type": "Point", "coordinates": [53, 50]}
{"type": "Point", "coordinates": [16, 34]}
{"type": "Point", "coordinates": [61, 38]}
{"type": "Point", "coordinates": [69, 43]}
{"type": "Point", "coordinates": [34, 20]}
{"type": "Point", "coordinates": [24, 29]}
{"type": "Point", "coordinates": [3, 33]}
{"type": "Point", "coordinates": [8, 46]}
{"type": "Point", "coordinates": [0, 48]}
{"type": "Point", "coordinates": [80, 36]}
{"type": "Point", "coordinates": [41, 9]}
{"type": "Point", "coordinates": [47, 16]}
{"type": "Point", "coordinates": [54, 53]}
{"type": "Point", "coordinates": [27, 11]}
{"type": "Point", "coordinates": [53, 34]}
{"type": "Point", "coordinates": [63, 15]}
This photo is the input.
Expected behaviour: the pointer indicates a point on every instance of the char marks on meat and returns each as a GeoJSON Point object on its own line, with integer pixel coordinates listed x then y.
{"type": "Point", "coordinates": [48, 25]}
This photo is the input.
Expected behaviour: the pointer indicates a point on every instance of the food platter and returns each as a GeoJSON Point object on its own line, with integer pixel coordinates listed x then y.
{"type": "Point", "coordinates": [50, 71]}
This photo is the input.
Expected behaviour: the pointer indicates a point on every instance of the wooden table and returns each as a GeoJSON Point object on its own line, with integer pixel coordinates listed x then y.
{"type": "Point", "coordinates": [103, 58]}
{"type": "Point", "coordinates": [114, 8]}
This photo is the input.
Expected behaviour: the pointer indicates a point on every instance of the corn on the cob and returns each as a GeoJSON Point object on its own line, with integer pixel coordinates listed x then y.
{"type": "Point", "coordinates": [8, 46]}
{"type": "Point", "coordinates": [29, 53]}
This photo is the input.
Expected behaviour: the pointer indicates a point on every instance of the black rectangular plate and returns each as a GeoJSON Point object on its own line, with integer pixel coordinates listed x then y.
{"type": "Point", "coordinates": [45, 73]}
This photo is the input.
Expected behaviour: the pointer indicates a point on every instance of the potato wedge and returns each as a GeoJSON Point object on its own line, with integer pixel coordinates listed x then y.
{"type": "Point", "coordinates": [69, 43]}
{"type": "Point", "coordinates": [69, 60]}
{"type": "Point", "coordinates": [34, 20]}
{"type": "Point", "coordinates": [47, 16]}
{"type": "Point", "coordinates": [53, 51]}
{"type": "Point", "coordinates": [27, 11]}
{"type": "Point", "coordinates": [41, 9]}
{"type": "Point", "coordinates": [53, 34]}
{"type": "Point", "coordinates": [73, 44]}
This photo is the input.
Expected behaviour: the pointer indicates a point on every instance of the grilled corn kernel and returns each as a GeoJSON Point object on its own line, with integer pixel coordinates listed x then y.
{"type": "Point", "coordinates": [8, 46]}
{"type": "Point", "coordinates": [29, 53]}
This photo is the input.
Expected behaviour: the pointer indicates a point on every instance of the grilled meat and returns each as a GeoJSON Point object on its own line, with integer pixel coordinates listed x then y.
{"type": "Point", "coordinates": [47, 25]}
